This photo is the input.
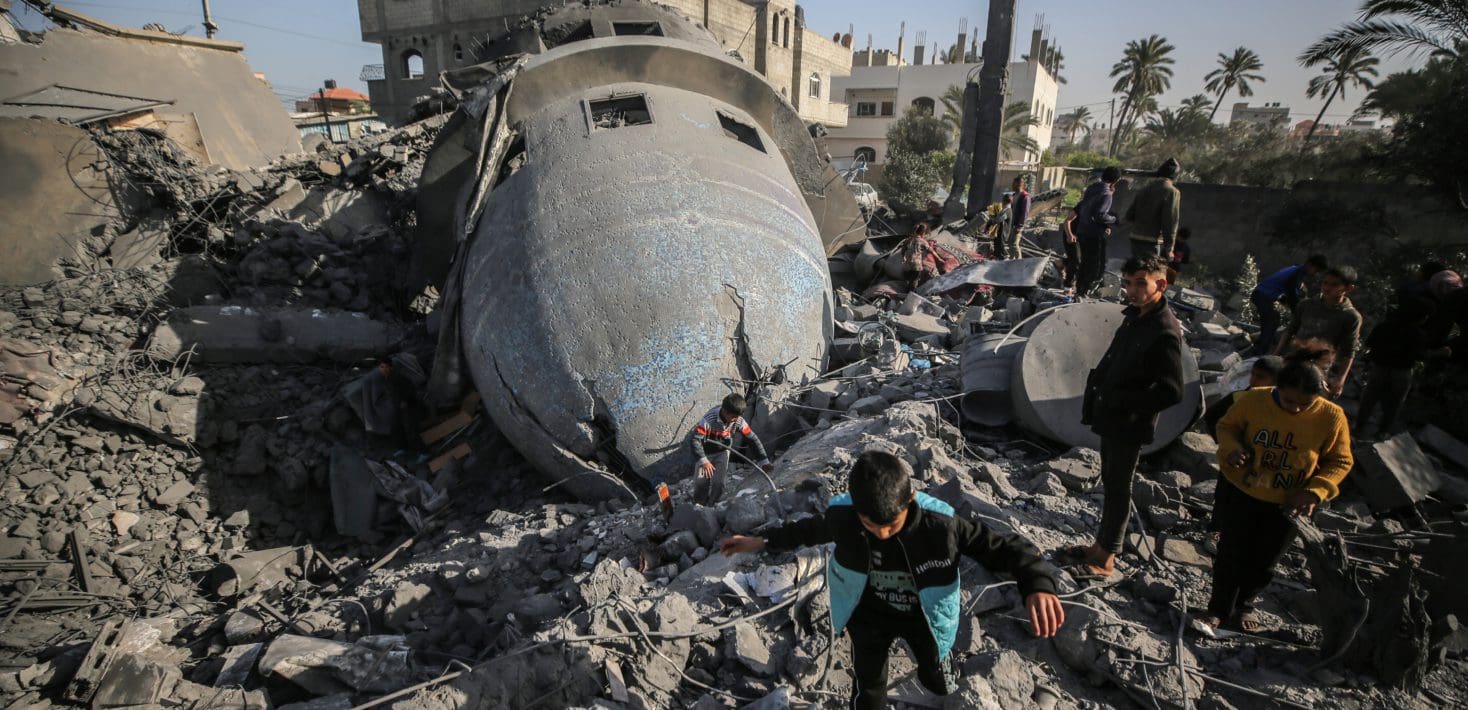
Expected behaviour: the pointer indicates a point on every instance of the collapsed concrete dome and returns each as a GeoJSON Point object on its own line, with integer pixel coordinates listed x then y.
{"type": "Point", "coordinates": [644, 250]}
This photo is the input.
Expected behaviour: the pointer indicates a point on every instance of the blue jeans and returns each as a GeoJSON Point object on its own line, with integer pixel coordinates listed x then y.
{"type": "Point", "coordinates": [1268, 324]}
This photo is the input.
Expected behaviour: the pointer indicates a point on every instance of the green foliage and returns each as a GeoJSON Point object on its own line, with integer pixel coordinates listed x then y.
{"type": "Point", "coordinates": [1072, 198]}
{"type": "Point", "coordinates": [1439, 27]}
{"type": "Point", "coordinates": [1427, 142]}
{"type": "Point", "coordinates": [1245, 283]}
{"type": "Point", "coordinates": [1247, 155]}
{"type": "Point", "coordinates": [1143, 74]}
{"type": "Point", "coordinates": [910, 179]}
{"type": "Point", "coordinates": [1233, 71]}
{"type": "Point", "coordinates": [1089, 159]}
{"type": "Point", "coordinates": [918, 133]}
{"type": "Point", "coordinates": [1048, 159]}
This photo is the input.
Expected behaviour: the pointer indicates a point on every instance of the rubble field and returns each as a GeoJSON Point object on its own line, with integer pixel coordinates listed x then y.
{"type": "Point", "coordinates": [214, 497]}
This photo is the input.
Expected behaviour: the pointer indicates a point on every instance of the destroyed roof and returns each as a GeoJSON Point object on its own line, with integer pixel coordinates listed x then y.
{"type": "Point", "coordinates": [340, 93]}
{"type": "Point", "coordinates": [75, 106]}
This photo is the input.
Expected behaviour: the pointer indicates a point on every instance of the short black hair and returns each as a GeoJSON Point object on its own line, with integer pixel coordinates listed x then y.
{"type": "Point", "coordinates": [1299, 373]}
{"type": "Point", "coordinates": [1346, 274]}
{"type": "Point", "coordinates": [1111, 174]}
{"type": "Point", "coordinates": [1429, 268]}
{"type": "Point", "coordinates": [1318, 261]}
{"type": "Point", "coordinates": [1270, 364]}
{"type": "Point", "coordinates": [1147, 264]}
{"type": "Point", "coordinates": [733, 404]}
{"type": "Point", "coordinates": [881, 486]}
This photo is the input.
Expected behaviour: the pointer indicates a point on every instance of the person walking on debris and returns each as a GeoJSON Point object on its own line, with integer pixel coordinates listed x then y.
{"type": "Point", "coordinates": [1088, 226]}
{"type": "Point", "coordinates": [712, 440]}
{"type": "Point", "coordinates": [1021, 212]}
{"type": "Point", "coordinates": [1182, 254]}
{"type": "Point", "coordinates": [1263, 374]}
{"type": "Point", "coordinates": [1283, 450]}
{"type": "Point", "coordinates": [894, 572]}
{"type": "Point", "coordinates": [1154, 214]}
{"type": "Point", "coordinates": [1140, 375]}
{"type": "Point", "coordinates": [1286, 285]}
{"type": "Point", "coordinates": [923, 259]}
{"type": "Point", "coordinates": [1001, 226]}
{"type": "Point", "coordinates": [1331, 318]}
{"type": "Point", "coordinates": [1394, 348]}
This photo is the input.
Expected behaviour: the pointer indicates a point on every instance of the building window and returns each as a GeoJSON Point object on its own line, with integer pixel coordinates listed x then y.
{"type": "Point", "coordinates": [618, 112]}
{"type": "Point", "coordinates": [568, 34]}
{"type": "Point", "coordinates": [888, 108]}
{"type": "Point", "coordinates": [866, 108]}
{"type": "Point", "coordinates": [458, 53]}
{"type": "Point", "coordinates": [815, 85]}
{"type": "Point", "coordinates": [775, 30]}
{"type": "Point", "coordinates": [637, 28]}
{"type": "Point", "coordinates": [741, 132]}
{"type": "Point", "coordinates": [786, 43]}
{"type": "Point", "coordinates": [924, 105]}
{"type": "Point", "coordinates": [412, 64]}
{"type": "Point", "coordinates": [866, 154]}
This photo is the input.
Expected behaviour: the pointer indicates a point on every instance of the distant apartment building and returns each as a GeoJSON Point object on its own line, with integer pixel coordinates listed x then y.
{"type": "Point", "coordinates": [1326, 130]}
{"type": "Point", "coordinates": [1271, 115]}
{"type": "Point", "coordinates": [878, 94]}
{"type": "Point", "coordinates": [421, 38]}
{"type": "Point", "coordinates": [336, 100]}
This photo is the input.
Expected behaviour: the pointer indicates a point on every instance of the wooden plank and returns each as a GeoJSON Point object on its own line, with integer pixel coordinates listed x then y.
{"type": "Point", "coordinates": [458, 421]}
{"type": "Point", "coordinates": [443, 459]}
{"type": "Point", "coordinates": [79, 560]}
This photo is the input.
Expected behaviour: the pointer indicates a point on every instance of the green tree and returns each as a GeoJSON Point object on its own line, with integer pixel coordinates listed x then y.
{"type": "Point", "coordinates": [918, 132]}
{"type": "Point", "coordinates": [1428, 106]}
{"type": "Point", "coordinates": [1439, 27]}
{"type": "Point", "coordinates": [1015, 119]}
{"type": "Point", "coordinates": [918, 159]}
{"type": "Point", "coordinates": [1195, 105]}
{"type": "Point", "coordinates": [1353, 65]}
{"type": "Point", "coordinates": [1234, 71]}
{"type": "Point", "coordinates": [1076, 122]}
{"type": "Point", "coordinates": [1144, 72]}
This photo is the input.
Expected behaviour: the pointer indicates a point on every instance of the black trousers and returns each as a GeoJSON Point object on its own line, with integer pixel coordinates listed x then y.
{"type": "Point", "coordinates": [1072, 263]}
{"type": "Point", "coordinates": [1268, 324]}
{"type": "Point", "coordinates": [1118, 467]}
{"type": "Point", "coordinates": [1256, 535]}
{"type": "Point", "coordinates": [872, 634]}
{"type": "Point", "coordinates": [1093, 262]}
{"type": "Point", "coordinates": [709, 491]}
{"type": "Point", "coordinates": [1386, 387]}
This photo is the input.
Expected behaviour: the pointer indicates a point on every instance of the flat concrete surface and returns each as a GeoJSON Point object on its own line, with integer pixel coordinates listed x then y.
{"type": "Point", "coordinates": [236, 334]}
{"type": "Point", "coordinates": [1396, 472]}
{"type": "Point", "coordinates": [1010, 273]}
{"type": "Point", "coordinates": [1049, 376]}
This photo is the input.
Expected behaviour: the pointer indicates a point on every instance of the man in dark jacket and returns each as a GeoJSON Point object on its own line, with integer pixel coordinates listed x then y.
{"type": "Point", "coordinates": [1140, 375]}
{"type": "Point", "coordinates": [894, 572]}
{"type": "Point", "coordinates": [1154, 214]}
{"type": "Point", "coordinates": [1088, 225]}
{"type": "Point", "coordinates": [1021, 207]}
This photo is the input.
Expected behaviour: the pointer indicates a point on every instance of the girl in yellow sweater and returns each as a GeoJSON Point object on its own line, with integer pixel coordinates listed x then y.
{"type": "Point", "coordinates": [1283, 450]}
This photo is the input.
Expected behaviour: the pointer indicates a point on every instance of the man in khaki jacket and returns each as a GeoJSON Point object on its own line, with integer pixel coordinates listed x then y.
{"type": "Point", "coordinates": [1154, 214]}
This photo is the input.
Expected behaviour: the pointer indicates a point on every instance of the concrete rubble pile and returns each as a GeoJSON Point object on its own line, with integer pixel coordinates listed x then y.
{"type": "Point", "coordinates": [223, 487]}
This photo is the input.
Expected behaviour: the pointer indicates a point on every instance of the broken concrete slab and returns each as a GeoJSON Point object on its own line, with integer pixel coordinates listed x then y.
{"type": "Point", "coordinates": [1396, 473]}
{"type": "Point", "coordinates": [1445, 444]}
{"type": "Point", "coordinates": [987, 363]}
{"type": "Point", "coordinates": [1011, 273]}
{"type": "Point", "coordinates": [1049, 376]}
{"type": "Point", "coordinates": [1079, 469]}
{"type": "Point", "coordinates": [242, 334]}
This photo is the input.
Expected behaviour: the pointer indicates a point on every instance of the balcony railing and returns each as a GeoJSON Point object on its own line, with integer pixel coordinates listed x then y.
{"type": "Point", "coordinates": [373, 72]}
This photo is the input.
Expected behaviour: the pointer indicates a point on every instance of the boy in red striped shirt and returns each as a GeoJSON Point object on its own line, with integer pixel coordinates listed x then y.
{"type": "Point", "coordinates": [712, 440]}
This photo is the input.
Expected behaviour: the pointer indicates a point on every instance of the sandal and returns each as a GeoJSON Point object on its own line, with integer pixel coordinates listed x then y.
{"type": "Point", "coordinates": [1084, 574]}
{"type": "Point", "coordinates": [1074, 553]}
{"type": "Point", "coordinates": [1208, 625]}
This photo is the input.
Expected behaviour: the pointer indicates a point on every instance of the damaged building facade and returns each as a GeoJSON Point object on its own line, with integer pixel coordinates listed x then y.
{"type": "Point", "coordinates": [422, 38]}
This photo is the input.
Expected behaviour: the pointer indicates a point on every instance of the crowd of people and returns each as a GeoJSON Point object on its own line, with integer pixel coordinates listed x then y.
{"type": "Point", "coordinates": [1284, 442]}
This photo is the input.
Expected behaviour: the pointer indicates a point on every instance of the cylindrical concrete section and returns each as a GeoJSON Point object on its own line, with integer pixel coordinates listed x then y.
{"type": "Point", "coordinates": [632, 273]}
{"type": "Point", "coordinates": [1049, 377]}
{"type": "Point", "coordinates": [987, 364]}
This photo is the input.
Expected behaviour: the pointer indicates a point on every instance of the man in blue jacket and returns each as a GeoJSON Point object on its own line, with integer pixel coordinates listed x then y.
{"type": "Point", "coordinates": [1287, 285]}
{"type": "Point", "coordinates": [1088, 225]}
{"type": "Point", "coordinates": [894, 572]}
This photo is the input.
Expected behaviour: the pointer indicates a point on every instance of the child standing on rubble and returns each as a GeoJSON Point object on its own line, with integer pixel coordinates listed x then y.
{"type": "Point", "coordinates": [1284, 450]}
{"type": "Point", "coordinates": [1262, 374]}
{"type": "Point", "coordinates": [894, 572]}
{"type": "Point", "coordinates": [713, 440]}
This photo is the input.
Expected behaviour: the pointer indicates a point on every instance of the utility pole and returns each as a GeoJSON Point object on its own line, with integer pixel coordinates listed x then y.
{"type": "Point", "coordinates": [325, 116]}
{"type": "Point", "coordinates": [1112, 124]}
{"type": "Point", "coordinates": [210, 29]}
{"type": "Point", "coordinates": [992, 76]}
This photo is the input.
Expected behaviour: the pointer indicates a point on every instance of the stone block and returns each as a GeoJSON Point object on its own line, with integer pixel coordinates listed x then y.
{"type": "Point", "coordinates": [1396, 473]}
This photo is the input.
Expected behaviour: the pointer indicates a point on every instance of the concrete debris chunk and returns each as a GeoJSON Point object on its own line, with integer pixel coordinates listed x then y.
{"type": "Point", "coordinates": [1078, 469]}
{"type": "Point", "coordinates": [245, 334]}
{"type": "Point", "coordinates": [1397, 473]}
{"type": "Point", "coordinates": [750, 649]}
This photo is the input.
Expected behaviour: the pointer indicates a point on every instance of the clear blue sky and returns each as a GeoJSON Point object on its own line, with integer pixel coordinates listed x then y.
{"type": "Point", "coordinates": [297, 43]}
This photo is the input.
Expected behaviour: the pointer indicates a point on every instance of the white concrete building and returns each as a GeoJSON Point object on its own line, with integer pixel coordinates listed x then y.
{"type": "Point", "coordinates": [1271, 115]}
{"type": "Point", "coordinates": [878, 95]}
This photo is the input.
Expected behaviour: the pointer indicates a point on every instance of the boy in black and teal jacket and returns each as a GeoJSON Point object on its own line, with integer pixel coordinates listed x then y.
{"type": "Point", "coordinates": [894, 572]}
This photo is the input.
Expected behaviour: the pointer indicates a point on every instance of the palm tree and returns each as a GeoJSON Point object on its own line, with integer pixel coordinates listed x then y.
{"type": "Point", "coordinates": [1354, 65]}
{"type": "Point", "coordinates": [1014, 120]}
{"type": "Point", "coordinates": [1195, 105]}
{"type": "Point", "coordinates": [1439, 27]}
{"type": "Point", "coordinates": [1145, 71]}
{"type": "Point", "coordinates": [1233, 71]}
{"type": "Point", "coordinates": [1077, 122]}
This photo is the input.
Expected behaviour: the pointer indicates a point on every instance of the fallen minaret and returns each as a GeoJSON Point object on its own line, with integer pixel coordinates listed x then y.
{"type": "Point", "coordinates": [633, 241]}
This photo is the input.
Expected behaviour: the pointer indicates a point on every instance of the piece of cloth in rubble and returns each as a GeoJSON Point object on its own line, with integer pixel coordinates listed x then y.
{"type": "Point", "coordinates": [924, 258]}
{"type": "Point", "coordinates": [378, 399]}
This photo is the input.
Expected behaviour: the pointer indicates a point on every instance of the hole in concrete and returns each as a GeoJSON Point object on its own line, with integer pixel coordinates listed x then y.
{"type": "Point", "coordinates": [515, 157]}
{"type": "Point", "coordinates": [619, 111]}
{"type": "Point", "coordinates": [569, 33]}
{"type": "Point", "coordinates": [742, 132]}
{"type": "Point", "coordinates": [637, 28]}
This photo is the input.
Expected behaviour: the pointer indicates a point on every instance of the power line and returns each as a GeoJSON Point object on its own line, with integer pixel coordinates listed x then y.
{"type": "Point", "coordinates": [235, 20]}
